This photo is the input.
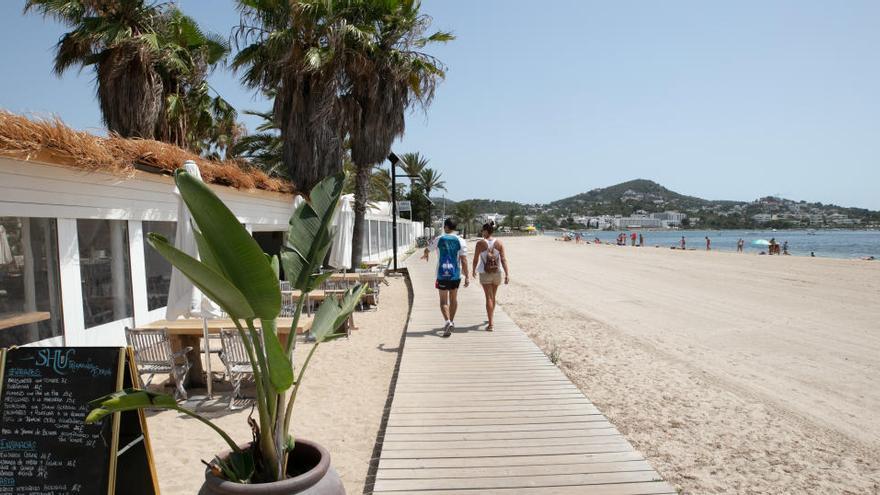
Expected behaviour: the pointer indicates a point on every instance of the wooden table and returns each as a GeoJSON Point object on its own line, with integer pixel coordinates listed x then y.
{"type": "Point", "coordinates": [16, 319]}
{"type": "Point", "coordinates": [187, 332]}
{"type": "Point", "coordinates": [359, 277]}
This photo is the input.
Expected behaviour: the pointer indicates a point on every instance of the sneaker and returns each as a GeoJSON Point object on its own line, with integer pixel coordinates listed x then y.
{"type": "Point", "coordinates": [447, 330]}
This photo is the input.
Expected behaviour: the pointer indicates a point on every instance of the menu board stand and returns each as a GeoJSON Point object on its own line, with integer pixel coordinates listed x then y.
{"type": "Point", "coordinates": [45, 445]}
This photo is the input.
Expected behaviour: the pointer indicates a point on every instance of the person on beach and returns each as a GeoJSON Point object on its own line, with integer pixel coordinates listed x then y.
{"type": "Point", "coordinates": [785, 248]}
{"type": "Point", "coordinates": [739, 245]}
{"type": "Point", "coordinates": [633, 239]}
{"type": "Point", "coordinates": [641, 240]}
{"type": "Point", "coordinates": [683, 243]}
{"type": "Point", "coordinates": [451, 262]}
{"type": "Point", "coordinates": [708, 244]}
{"type": "Point", "coordinates": [490, 263]}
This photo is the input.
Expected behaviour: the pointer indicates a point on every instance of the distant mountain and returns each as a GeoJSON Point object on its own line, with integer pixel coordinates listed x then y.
{"type": "Point", "coordinates": [646, 196]}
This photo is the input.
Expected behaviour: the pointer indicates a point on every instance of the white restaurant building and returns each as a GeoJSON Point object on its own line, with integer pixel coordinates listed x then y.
{"type": "Point", "coordinates": [74, 267]}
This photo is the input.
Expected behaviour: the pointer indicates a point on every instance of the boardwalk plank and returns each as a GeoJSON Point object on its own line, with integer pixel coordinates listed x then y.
{"type": "Point", "coordinates": [483, 413]}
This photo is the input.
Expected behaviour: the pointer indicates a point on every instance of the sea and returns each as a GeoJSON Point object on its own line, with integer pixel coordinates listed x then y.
{"type": "Point", "coordinates": [847, 244]}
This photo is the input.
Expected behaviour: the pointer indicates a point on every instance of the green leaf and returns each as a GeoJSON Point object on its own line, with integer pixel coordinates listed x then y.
{"type": "Point", "coordinates": [241, 258]}
{"type": "Point", "coordinates": [276, 265]}
{"type": "Point", "coordinates": [239, 466]}
{"type": "Point", "coordinates": [280, 369]}
{"type": "Point", "coordinates": [333, 313]}
{"type": "Point", "coordinates": [128, 400]}
{"type": "Point", "coordinates": [212, 284]}
{"type": "Point", "coordinates": [308, 238]}
{"type": "Point", "coordinates": [205, 253]}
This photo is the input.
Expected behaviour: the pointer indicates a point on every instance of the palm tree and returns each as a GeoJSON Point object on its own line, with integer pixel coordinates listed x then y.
{"type": "Point", "coordinates": [387, 74]}
{"type": "Point", "coordinates": [263, 148]}
{"type": "Point", "coordinates": [413, 164]}
{"type": "Point", "coordinates": [151, 62]}
{"type": "Point", "coordinates": [191, 116]}
{"type": "Point", "coordinates": [119, 39]}
{"type": "Point", "coordinates": [466, 213]}
{"type": "Point", "coordinates": [430, 180]}
{"type": "Point", "coordinates": [297, 48]}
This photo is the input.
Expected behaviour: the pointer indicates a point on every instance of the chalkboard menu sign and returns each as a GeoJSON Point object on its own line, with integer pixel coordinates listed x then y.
{"type": "Point", "coordinates": [46, 447]}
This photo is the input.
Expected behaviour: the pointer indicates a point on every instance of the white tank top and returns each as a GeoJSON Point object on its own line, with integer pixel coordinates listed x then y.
{"type": "Point", "coordinates": [484, 254]}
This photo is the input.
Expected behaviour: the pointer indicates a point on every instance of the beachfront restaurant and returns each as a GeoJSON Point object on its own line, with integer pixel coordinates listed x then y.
{"type": "Point", "coordinates": [75, 269]}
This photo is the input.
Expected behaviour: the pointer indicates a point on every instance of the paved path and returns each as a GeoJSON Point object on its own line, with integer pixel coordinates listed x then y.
{"type": "Point", "coordinates": [486, 413]}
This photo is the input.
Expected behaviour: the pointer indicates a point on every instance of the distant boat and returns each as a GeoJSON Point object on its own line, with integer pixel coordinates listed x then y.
{"type": "Point", "coordinates": [811, 232]}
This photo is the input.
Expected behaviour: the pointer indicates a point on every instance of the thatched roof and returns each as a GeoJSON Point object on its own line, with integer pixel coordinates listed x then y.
{"type": "Point", "coordinates": [50, 141]}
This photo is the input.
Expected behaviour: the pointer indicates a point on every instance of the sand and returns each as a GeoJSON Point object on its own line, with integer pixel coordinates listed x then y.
{"type": "Point", "coordinates": [732, 373]}
{"type": "Point", "coordinates": [340, 405]}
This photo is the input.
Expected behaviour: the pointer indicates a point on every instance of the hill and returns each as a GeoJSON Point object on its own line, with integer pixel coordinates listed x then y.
{"type": "Point", "coordinates": [646, 196]}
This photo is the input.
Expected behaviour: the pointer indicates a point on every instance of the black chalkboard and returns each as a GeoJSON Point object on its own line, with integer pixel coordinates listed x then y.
{"type": "Point", "coordinates": [135, 470]}
{"type": "Point", "coordinates": [45, 446]}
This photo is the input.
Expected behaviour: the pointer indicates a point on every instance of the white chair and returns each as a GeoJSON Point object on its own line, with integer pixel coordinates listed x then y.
{"type": "Point", "coordinates": [153, 355]}
{"type": "Point", "coordinates": [235, 358]}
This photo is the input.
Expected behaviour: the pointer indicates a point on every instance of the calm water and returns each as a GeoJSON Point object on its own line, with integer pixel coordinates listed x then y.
{"type": "Point", "coordinates": [825, 243]}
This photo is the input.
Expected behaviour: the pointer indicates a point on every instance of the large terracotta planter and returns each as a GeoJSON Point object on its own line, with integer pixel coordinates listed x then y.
{"type": "Point", "coordinates": [318, 478]}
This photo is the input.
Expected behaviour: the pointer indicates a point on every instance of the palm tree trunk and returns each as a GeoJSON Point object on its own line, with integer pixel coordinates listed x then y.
{"type": "Point", "coordinates": [361, 190]}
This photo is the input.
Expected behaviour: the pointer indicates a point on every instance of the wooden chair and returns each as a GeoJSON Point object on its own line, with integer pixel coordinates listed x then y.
{"type": "Point", "coordinates": [153, 355]}
{"type": "Point", "coordinates": [235, 358]}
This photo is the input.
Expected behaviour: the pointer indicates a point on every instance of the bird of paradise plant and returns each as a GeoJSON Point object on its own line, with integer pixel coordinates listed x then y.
{"type": "Point", "coordinates": [235, 273]}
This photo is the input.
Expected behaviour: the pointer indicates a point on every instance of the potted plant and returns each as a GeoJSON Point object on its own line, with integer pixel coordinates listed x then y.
{"type": "Point", "coordinates": [236, 274]}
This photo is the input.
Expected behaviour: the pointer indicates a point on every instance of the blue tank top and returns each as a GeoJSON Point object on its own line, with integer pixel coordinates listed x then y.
{"type": "Point", "coordinates": [448, 267]}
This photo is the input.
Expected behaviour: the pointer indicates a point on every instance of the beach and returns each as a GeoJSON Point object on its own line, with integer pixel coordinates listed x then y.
{"type": "Point", "coordinates": [339, 406]}
{"type": "Point", "coordinates": [731, 373]}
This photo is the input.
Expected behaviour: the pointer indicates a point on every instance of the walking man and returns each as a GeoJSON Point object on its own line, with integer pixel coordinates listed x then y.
{"type": "Point", "coordinates": [451, 263]}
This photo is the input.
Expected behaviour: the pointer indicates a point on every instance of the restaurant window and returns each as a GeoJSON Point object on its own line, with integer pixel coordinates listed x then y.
{"type": "Point", "coordinates": [105, 270]}
{"type": "Point", "coordinates": [365, 241]}
{"type": "Point", "coordinates": [386, 236]}
{"type": "Point", "coordinates": [30, 291]}
{"type": "Point", "coordinates": [374, 236]}
{"type": "Point", "coordinates": [157, 267]}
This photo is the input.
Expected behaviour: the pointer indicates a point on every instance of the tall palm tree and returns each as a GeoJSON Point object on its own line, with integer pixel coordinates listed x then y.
{"type": "Point", "coordinates": [297, 49]}
{"type": "Point", "coordinates": [466, 214]}
{"type": "Point", "coordinates": [151, 62]}
{"type": "Point", "coordinates": [413, 164]}
{"type": "Point", "coordinates": [263, 148]}
{"type": "Point", "coordinates": [387, 74]}
{"type": "Point", "coordinates": [192, 117]}
{"type": "Point", "coordinates": [430, 180]}
{"type": "Point", "coordinates": [120, 41]}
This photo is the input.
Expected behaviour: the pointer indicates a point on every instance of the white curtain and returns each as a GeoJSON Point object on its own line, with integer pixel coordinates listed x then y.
{"type": "Point", "coordinates": [343, 231]}
{"type": "Point", "coordinates": [183, 298]}
{"type": "Point", "coordinates": [5, 250]}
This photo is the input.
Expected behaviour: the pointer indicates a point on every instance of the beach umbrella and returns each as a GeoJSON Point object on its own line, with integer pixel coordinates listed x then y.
{"type": "Point", "coordinates": [5, 250]}
{"type": "Point", "coordinates": [761, 242]}
{"type": "Point", "coordinates": [183, 297]}
{"type": "Point", "coordinates": [343, 233]}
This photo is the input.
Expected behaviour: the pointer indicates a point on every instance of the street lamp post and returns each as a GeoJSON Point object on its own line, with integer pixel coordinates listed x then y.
{"type": "Point", "coordinates": [395, 160]}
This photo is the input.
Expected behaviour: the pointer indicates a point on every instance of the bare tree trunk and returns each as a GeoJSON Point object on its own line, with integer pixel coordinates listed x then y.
{"type": "Point", "coordinates": [361, 190]}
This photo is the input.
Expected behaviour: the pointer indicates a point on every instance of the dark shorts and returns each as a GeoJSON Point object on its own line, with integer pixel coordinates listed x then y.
{"type": "Point", "coordinates": [447, 284]}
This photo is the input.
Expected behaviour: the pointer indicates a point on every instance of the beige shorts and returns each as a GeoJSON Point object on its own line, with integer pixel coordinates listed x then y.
{"type": "Point", "coordinates": [491, 278]}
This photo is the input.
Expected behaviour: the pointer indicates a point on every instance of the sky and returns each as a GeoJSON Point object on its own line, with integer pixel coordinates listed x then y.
{"type": "Point", "coordinates": [544, 100]}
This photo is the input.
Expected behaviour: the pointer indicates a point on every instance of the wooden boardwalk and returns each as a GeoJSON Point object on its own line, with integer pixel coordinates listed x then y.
{"type": "Point", "coordinates": [488, 413]}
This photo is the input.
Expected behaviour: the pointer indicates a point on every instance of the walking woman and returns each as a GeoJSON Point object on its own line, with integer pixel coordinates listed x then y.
{"type": "Point", "coordinates": [490, 263]}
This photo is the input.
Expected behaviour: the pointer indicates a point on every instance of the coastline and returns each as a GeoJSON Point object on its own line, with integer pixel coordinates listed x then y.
{"type": "Point", "coordinates": [824, 243]}
{"type": "Point", "coordinates": [732, 373]}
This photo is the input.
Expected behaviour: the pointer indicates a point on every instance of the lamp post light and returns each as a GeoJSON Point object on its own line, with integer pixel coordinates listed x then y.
{"type": "Point", "coordinates": [395, 161]}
